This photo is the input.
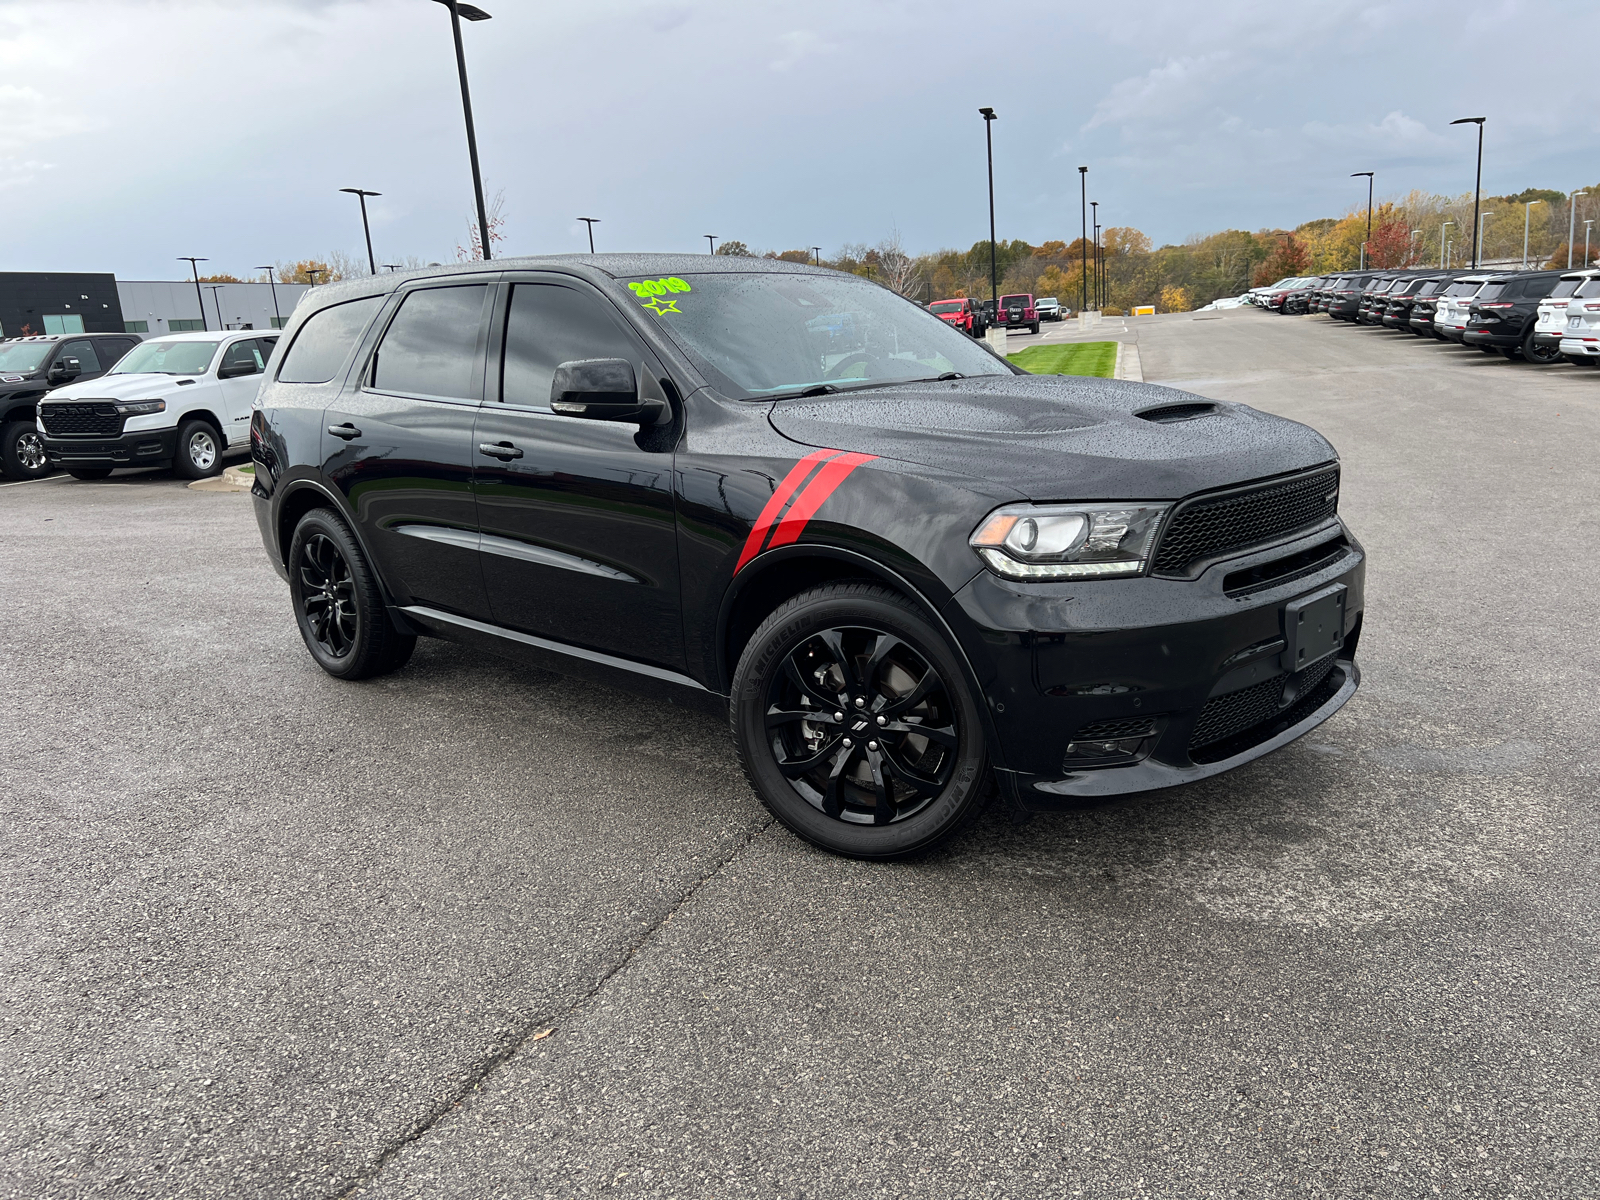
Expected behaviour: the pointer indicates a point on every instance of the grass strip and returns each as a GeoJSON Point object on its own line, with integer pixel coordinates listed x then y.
{"type": "Point", "coordinates": [1075, 358]}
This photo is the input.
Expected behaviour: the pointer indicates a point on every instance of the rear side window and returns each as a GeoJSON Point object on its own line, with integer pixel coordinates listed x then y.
{"type": "Point", "coordinates": [1491, 291]}
{"type": "Point", "coordinates": [431, 346]}
{"type": "Point", "coordinates": [1587, 289]}
{"type": "Point", "coordinates": [1537, 289]}
{"type": "Point", "coordinates": [325, 341]}
{"type": "Point", "coordinates": [1564, 287]}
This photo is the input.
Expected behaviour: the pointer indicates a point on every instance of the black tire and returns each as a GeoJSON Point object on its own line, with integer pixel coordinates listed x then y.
{"type": "Point", "coordinates": [198, 454]}
{"type": "Point", "coordinates": [22, 451]}
{"type": "Point", "coordinates": [1034, 328]}
{"type": "Point", "coordinates": [1579, 360]}
{"type": "Point", "coordinates": [860, 800]}
{"type": "Point", "coordinates": [1538, 355]}
{"type": "Point", "coordinates": [89, 472]}
{"type": "Point", "coordinates": [338, 604]}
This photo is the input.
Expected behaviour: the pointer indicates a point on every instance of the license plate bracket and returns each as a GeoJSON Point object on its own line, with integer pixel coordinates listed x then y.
{"type": "Point", "coordinates": [1313, 626]}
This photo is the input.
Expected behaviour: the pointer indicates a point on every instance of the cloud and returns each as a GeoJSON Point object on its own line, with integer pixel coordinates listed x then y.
{"type": "Point", "coordinates": [15, 172]}
{"type": "Point", "coordinates": [1396, 133]}
{"type": "Point", "coordinates": [798, 45]}
{"type": "Point", "coordinates": [1163, 95]}
{"type": "Point", "coordinates": [28, 116]}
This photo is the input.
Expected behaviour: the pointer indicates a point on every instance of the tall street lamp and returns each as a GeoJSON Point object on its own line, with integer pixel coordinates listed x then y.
{"type": "Point", "coordinates": [392, 267]}
{"type": "Point", "coordinates": [201, 300]}
{"type": "Point", "coordinates": [214, 288]}
{"type": "Point", "coordinates": [1588, 221]}
{"type": "Point", "coordinates": [1411, 250]}
{"type": "Point", "coordinates": [1083, 236]}
{"type": "Point", "coordinates": [1442, 228]}
{"type": "Point", "coordinates": [711, 240]}
{"type": "Point", "coordinates": [277, 316]}
{"type": "Point", "coordinates": [472, 13]}
{"type": "Point", "coordinates": [314, 272]}
{"type": "Point", "coordinates": [372, 262]}
{"type": "Point", "coordinates": [1527, 210]}
{"type": "Point", "coordinates": [988, 116]}
{"type": "Point", "coordinates": [1094, 224]}
{"type": "Point", "coordinates": [1358, 175]}
{"type": "Point", "coordinates": [817, 251]}
{"type": "Point", "coordinates": [1572, 227]}
{"type": "Point", "coordinates": [1477, 188]}
{"type": "Point", "coordinates": [590, 222]}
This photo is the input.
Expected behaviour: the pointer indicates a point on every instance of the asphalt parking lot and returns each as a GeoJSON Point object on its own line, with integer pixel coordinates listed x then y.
{"type": "Point", "coordinates": [475, 931]}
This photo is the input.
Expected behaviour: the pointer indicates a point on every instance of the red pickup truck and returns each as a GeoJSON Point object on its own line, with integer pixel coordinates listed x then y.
{"type": "Point", "coordinates": [965, 314]}
{"type": "Point", "coordinates": [1017, 311]}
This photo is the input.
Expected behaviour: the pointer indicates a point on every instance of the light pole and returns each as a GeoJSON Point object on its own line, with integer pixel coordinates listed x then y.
{"type": "Point", "coordinates": [1083, 234]}
{"type": "Point", "coordinates": [1588, 221]}
{"type": "Point", "coordinates": [314, 272]}
{"type": "Point", "coordinates": [372, 263]}
{"type": "Point", "coordinates": [1477, 245]}
{"type": "Point", "coordinates": [988, 116]}
{"type": "Point", "coordinates": [472, 13]}
{"type": "Point", "coordinates": [214, 288]}
{"type": "Point", "coordinates": [591, 222]}
{"type": "Point", "coordinates": [711, 240]}
{"type": "Point", "coordinates": [1094, 225]}
{"type": "Point", "coordinates": [1477, 187]}
{"type": "Point", "coordinates": [392, 267]}
{"type": "Point", "coordinates": [1358, 175]}
{"type": "Point", "coordinates": [1411, 250]}
{"type": "Point", "coordinates": [201, 300]}
{"type": "Point", "coordinates": [1442, 228]}
{"type": "Point", "coordinates": [277, 316]}
{"type": "Point", "coordinates": [1572, 226]}
{"type": "Point", "coordinates": [1527, 210]}
{"type": "Point", "coordinates": [817, 250]}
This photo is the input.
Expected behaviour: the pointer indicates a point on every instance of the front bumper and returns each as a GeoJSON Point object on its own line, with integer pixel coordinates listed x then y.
{"type": "Point", "coordinates": [143, 448]}
{"type": "Point", "coordinates": [1171, 666]}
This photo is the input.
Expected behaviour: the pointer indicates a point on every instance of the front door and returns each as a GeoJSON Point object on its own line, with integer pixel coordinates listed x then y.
{"type": "Point", "coordinates": [400, 448]}
{"type": "Point", "coordinates": [578, 528]}
{"type": "Point", "coordinates": [239, 389]}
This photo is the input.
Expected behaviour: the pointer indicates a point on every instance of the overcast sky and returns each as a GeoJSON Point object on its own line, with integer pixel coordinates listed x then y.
{"type": "Point", "coordinates": [133, 131]}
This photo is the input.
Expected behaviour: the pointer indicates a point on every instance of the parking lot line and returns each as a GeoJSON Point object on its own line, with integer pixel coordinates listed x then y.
{"type": "Point", "coordinates": [46, 479]}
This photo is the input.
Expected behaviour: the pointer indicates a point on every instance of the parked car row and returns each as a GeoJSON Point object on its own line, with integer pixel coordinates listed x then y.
{"type": "Point", "coordinates": [1541, 317]}
{"type": "Point", "coordinates": [977, 317]}
{"type": "Point", "coordinates": [90, 403]}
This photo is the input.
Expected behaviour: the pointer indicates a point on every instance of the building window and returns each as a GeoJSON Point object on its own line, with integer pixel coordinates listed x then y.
{"type": "Point", "coordinates": [136, 327]}
{"type": "Point", "coordinates": [178, 325]}
{"type": "Point", "coordinates": [59, 323]}
{"type": "Point", "coordinates": [279, 322]}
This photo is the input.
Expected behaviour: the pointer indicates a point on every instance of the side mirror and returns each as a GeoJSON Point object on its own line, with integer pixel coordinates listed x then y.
{"type": "Point", "coordinates": [66, 368]}
{"type": "Point", "coordinates": [602, 389]}
{"type": "Point", "coordinates": [234, 370]}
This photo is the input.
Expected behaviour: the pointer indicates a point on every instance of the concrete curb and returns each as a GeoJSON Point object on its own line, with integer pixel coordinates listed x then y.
{"type": "Point", "coordinates": [1128, 364]}
{"type": "Point", "coordinates": [232, 479]}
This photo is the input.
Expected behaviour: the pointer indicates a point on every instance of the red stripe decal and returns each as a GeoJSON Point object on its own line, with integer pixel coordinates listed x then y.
{"type": "Point", "coordinates": [806, 504]}
{"type": "Point", "coordinates": [769, 514]}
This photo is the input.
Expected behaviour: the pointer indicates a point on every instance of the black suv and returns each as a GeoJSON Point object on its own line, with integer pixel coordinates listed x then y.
{"type": "Point", "coordinates": [1345, 301]}
{"type": "Point", "coordinates": [1402, 299]}
{"type": "Point", "coordinates": [1503, 313]}
{"type": "Point", "coordinates": [30, 367]}
{"type": "Point", "coordinates": [900, 565]}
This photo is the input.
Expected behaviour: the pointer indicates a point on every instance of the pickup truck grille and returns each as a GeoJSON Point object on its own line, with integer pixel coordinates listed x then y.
{"type": "Point", "coordinates": [81, 420]}
{"type": "Point", "coordinates": [1209, 526]}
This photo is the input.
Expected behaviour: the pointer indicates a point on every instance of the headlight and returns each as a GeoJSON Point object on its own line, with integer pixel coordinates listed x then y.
{"type": "Point", "coordinates": [1058, 541]}
{"type": "Point", "coordinates": [139, 408]}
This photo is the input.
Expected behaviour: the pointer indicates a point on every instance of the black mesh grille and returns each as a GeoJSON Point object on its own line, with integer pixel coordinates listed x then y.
{"type": "Point", "coordinates": [81, 420]}
{"type": "Point", "coordinates": [1108, 731]}
{"type": "Point", "coordinates": [1208, 526]}
{"type": "Point", "coordinates": [1224, 716]}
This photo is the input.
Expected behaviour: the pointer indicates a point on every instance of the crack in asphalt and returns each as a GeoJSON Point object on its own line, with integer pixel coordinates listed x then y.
{"type": "Point", "coordinates": [541, 1026]}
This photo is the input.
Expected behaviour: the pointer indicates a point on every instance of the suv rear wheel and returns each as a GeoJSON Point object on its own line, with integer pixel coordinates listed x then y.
{"type": "Point", "coordinates": [199, 450]}
{"type": "Point", "coordinates": [22, 450]}
{"type": "Point", "coordinates": [1543, 356]}
{"type": "Point", "coordinates": [337, 602]}
{"type": "Point", "coordinates": [854, 724]}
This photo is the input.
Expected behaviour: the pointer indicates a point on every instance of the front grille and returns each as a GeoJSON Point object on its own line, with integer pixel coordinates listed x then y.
{"type": "Point", "coordinates": [1110, 731]}
{"type": "Point", "coordinates": [1224, 716]}
{"type": "Point", "coordinates": [1209, 526]}
{"type": "Point", "coordinates": [81, 420]}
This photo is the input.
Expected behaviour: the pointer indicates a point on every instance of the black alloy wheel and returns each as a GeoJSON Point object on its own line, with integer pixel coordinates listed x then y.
{"type": "Point", "coordinates": [855, 726]}
{"type": "Point", "coordinates": [337, 602]}
{"type": "Point", "coordinates": [1543, 356]}
{"type": "Point", "coordinates": [22, 453]}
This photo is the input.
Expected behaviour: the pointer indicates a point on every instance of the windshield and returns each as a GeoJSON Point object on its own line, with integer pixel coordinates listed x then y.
{"type": "Point", "coordinates": [167, 358]}
{"type": "Point", "coordinates": [21, 357]}
{"type": "Point", "coordinates": [767, 334]}
{"type": "Point", "coordinates": [948, 306]}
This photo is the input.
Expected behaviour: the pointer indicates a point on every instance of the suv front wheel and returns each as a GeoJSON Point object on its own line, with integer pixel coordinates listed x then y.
{"type": "Point", "coordinates": [855, 726]}
{"type": "Point", "coordinates": [337, 602]}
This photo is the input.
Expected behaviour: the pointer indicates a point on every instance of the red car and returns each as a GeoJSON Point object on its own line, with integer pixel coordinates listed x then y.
{"type": "Point", "coordinates": [1017, 311]}
{"type": "Point", "coordinates": [966, 315]}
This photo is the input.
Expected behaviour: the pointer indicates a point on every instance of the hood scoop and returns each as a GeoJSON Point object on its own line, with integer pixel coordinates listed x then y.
{"type": "Point", "coordinates": [1171, 414]}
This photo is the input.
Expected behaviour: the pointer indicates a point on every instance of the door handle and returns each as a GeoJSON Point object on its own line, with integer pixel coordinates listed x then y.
{"type": "Point", "coordinates": [504, 451]}
{"type": "Point", "coordinates": [345, 431]}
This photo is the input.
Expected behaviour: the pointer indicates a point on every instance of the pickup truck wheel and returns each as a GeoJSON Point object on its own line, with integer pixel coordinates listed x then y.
{"type": "Point", "coordinates": [22, 451]}
{"type": "Point", "coordinates": [199, 450]}
{"type": "Point", "coordinates": [854, 724]}
{"type": "Point", "coordinates": [337, 602]}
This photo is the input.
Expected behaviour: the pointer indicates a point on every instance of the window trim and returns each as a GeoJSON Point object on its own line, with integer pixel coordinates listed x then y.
{"type": "Point", "coordinates": [366, 385]}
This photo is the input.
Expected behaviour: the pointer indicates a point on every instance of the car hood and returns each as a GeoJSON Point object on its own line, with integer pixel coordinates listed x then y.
{"type": "Point", "coordinates": [1059, 437]}
{"type": "Point", "coordinates": [123, 387]}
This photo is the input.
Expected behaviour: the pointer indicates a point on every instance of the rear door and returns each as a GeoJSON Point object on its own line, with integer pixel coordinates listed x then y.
{"type": "Point", "coordinates": [579, 532]}
{"type": "Point", "coordinates": [399, 446]}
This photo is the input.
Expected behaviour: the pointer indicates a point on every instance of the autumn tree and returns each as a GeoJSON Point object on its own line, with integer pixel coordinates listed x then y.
{"type": "Point", "coordinates": [302, 270]}
{"type": "Point", "coordinates": [1288, 256]}
{"type": "Point", "coordinates": [220, 279]}
{"type": "Point", "coordinates": [735, 250]}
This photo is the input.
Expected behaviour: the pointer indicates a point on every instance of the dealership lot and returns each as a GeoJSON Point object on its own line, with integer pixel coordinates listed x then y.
{"type": "Point", "coordinates": [272, 935]}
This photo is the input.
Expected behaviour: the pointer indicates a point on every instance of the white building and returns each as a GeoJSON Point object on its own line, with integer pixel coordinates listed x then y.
{"type": "Point", "coordinates": [157, 307]}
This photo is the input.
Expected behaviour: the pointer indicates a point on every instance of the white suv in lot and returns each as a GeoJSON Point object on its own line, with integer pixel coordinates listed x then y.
{"type": "Point", "coordinates": [1580, 341]}
{"type": "Point", "coordinates": [1450, 315]}
{"type": "Point", "coordinates": [181, 401]}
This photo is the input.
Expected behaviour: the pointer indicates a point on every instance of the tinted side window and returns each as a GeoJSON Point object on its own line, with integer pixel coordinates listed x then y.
{"type": "Point", "coordinates": [550, 325]}
{"type": "Point", "coordinates": [1538, 289]}
{"type": "Point", "coordinates": [243, 354]}
{"type": "Point", "coordinates": [264, 348]}
{"type": "Point", "coordinates": [83, 351]}
{"type": "Point", "coordinates": [431, 346]}
{"type": "Point", "coordinates": [325, 341]}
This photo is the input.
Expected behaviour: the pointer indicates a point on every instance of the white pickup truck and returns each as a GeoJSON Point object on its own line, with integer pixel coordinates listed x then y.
{"type": "Point", "coordinates": [180, 401]}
